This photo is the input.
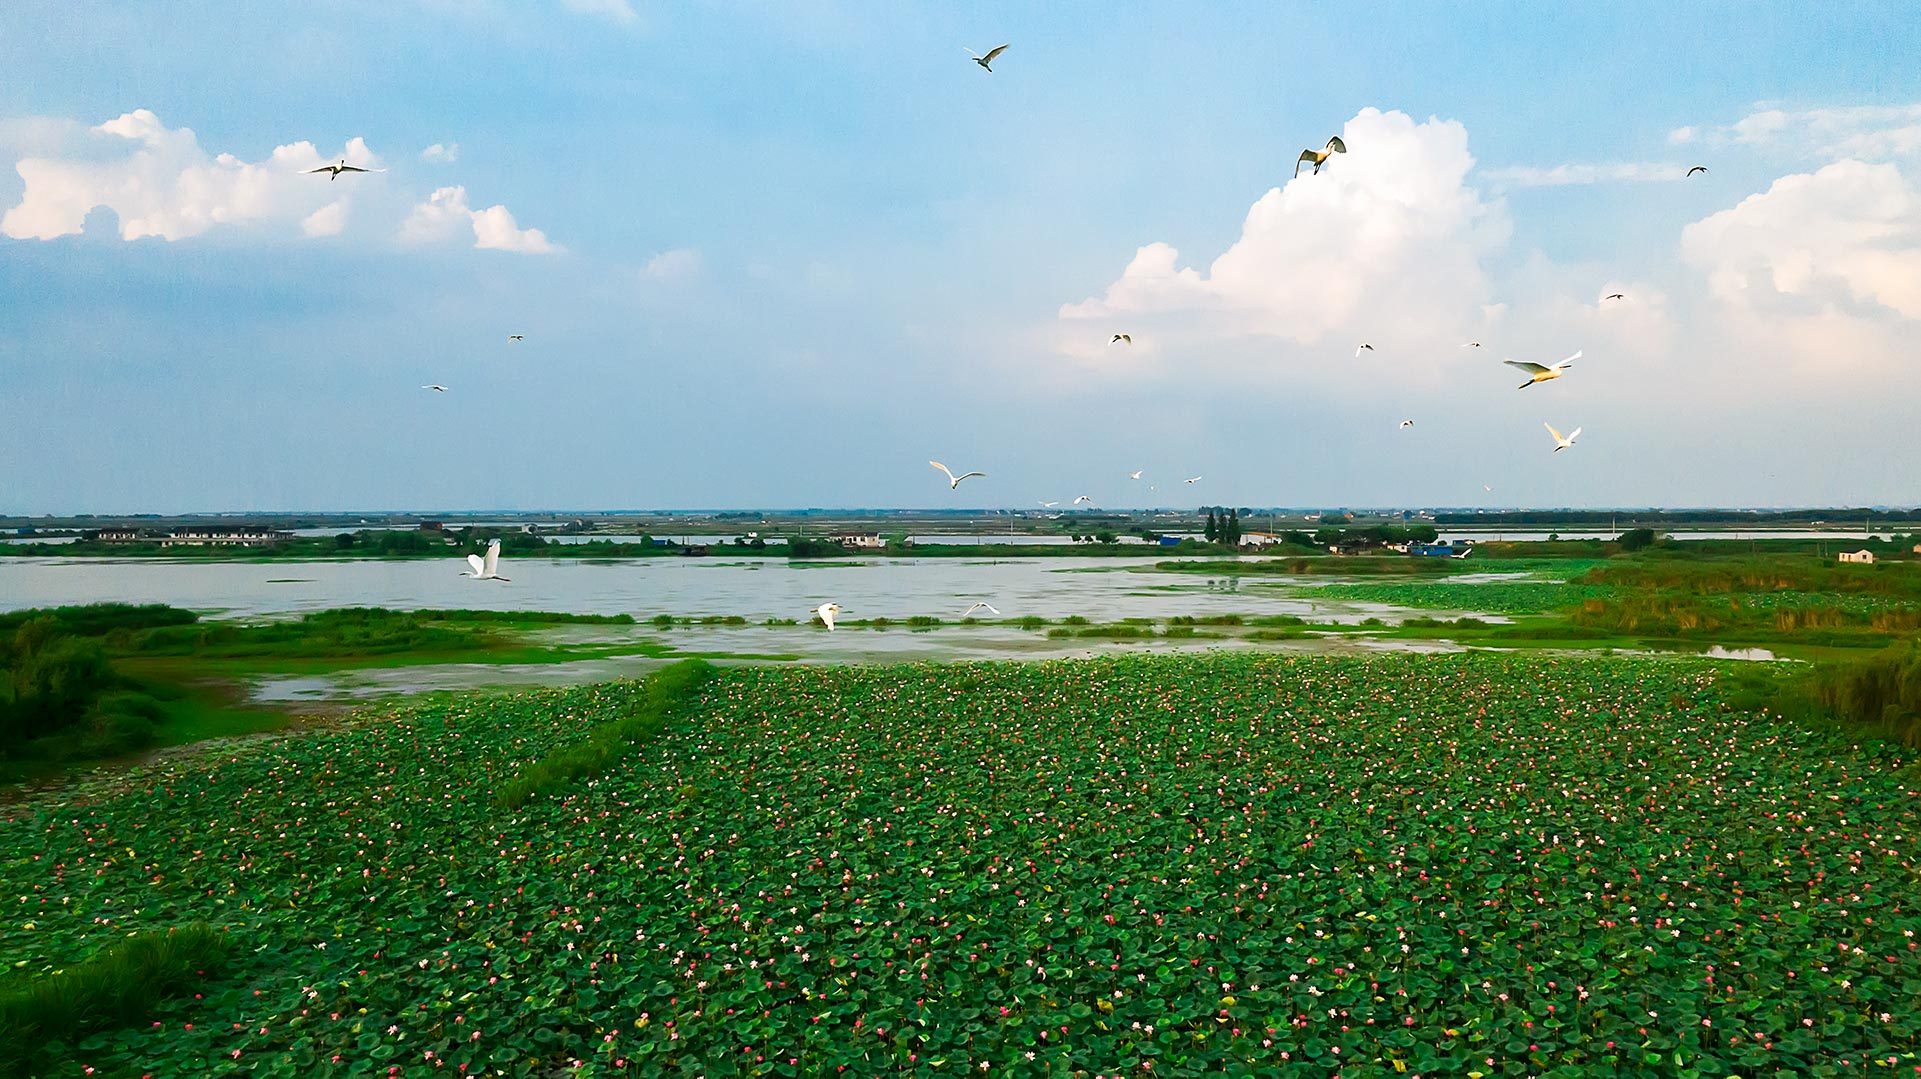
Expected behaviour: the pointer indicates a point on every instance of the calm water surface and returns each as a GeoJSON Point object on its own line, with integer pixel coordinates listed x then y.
{"type": "Point", "coordinates": [1102, 589]}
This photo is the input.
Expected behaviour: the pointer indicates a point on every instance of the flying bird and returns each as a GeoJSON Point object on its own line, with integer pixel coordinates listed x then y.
{"type": "Point", "coordinates": [1405, 424]}
{"type": "Point", "coordinates": [1319, 157]}
{"type": "Point", "coordinates": [1538, 373]}
{"type": "Point", "coordinates": [1471, 344]}
{"type": "Point", "coordinates": [982, 606]}
{"type": "Point", "coordinates": [1695, 169]}
{"type": "Point", "coordinates": [334, 171]}
{"type": "Point", "coordinates": [983, 61]}
{"type": "Point", "coordinates": [1364, 348]}
{"type": "Point", "coordinates": [435, 386]}
{"type": "Point", "coordinates": [1123, 339]}
{"type": "Point", "coordinates": [516, 337]}
{"type": "Point", "coordinates": [954, 481]}
{"type": "Point", "coordinates": [1083, 500]}
{"type": "Point", "coordinates": [1136, 474]}
{"type": "Point", "coordinates": [1615, 296]}
{"type": "Point", "coordinates": [1049, 505]}
{"type": "Point", "coordinates": [1562, 442]}
{"type": "Point", "coordinates": [1196, 479]}
{"type": "Point", "coordinates": [827, 611]}
{"type": "Point", "coordinates": [488, 568]}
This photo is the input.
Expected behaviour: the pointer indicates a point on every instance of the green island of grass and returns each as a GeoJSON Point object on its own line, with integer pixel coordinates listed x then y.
{"type": "Point", "coordinates": [1232, 863]}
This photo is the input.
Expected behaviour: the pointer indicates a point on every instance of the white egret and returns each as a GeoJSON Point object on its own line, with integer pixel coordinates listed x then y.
{"type": "Point", "coordinates": [826, 613]}
{"type": "Point", "coordinates": [435, 386]}
{"type": "Point", "coordinates": [954, 481]}
{"type": "Point", "coordinates": [983, 61]}
{"type": "Point", "coordinates": [1365, 347]}
{"type": "Point", "coordinates": [488, 568]}
{"type": "Point", "coordinates": [1192, 479]}
{"type": "Point", "coordinates": [1562, 442]}
{"type": "Point", "coordinates": [1083, 500]}
{"type": "Point", "coordinates": [1136, 474]}
{"type": "Point", "coordinates": [1319, 157]}
{"type": "Point", "coordinates": [981, 606]}
{"type": "Point", "coordinates": [335, 170]}
{"type": "Point", "coordinates": [1538, 373]}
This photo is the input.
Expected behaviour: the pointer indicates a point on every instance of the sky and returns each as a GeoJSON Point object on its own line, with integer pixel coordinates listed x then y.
{"type": "Point", "coordinates": [782, 254]}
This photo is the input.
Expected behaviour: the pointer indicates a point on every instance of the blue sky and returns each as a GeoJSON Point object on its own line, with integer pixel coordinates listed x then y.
{"type": "Point", "coordinates": [782, 254]}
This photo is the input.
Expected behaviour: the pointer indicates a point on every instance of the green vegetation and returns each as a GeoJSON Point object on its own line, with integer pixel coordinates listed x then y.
{"type": "Point", "coordinates": [1229, 864]}
{"type": "Point", "coordinates": [1881, 692]}
{"type": "Point", "coordinates": [46, 1013]}
{"type": "Point", "coordinates": [666, 693]}
{"type": "Point", "coordinates": [101, 681]}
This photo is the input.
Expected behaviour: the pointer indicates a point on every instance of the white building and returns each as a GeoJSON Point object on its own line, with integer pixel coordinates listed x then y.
{"type": "Point", "coordinates": [1863, 556]}
{"type": "Point", "coordinates": [870, 541]}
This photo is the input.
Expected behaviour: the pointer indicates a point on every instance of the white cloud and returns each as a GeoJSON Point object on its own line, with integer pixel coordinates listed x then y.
{"type": "Point", "coordinates": [1564, 175]}
{"type": "Point", "coordinates": [1681, 136]}
{"type": "Point", "coordinates": [678, 263]}
{"type": "Point", "coordinates": [326, 221]}
{"type": "Point", "coordinates": [1847, 235]}
{"type": "Point", "coordinates": [441, 153]}
{"type": "Point", "coordinates": [617, 10]}
{"type": "Point", "coordinates": [160, 182]}
{"type": "Point", "coordinates": [446, 213]}
{"type": "Point", "coordinates": [1866, 132]}
{"type": "Point", "coordinates": [1388, 238]}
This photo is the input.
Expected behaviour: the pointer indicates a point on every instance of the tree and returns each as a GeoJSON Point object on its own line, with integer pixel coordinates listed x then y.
{"type": "Point", "coordinates": [1213, 531]}
{"type": "Point", "coordinates": [1635, 539]}
{"type": "Point", "coordinates": [1234, 528]}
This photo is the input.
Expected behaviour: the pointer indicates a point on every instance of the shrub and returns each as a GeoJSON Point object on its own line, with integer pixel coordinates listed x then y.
{"type": "Point", "coordinates": [114, 987]}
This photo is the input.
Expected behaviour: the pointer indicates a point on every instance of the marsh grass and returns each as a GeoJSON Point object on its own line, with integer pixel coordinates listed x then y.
{"type": "Point", "coordinates": [662, 696]}
{"type": "Point", "coordinates": [116, 986]}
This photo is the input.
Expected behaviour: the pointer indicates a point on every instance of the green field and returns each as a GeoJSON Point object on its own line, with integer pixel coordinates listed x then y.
{"type": "Point", "coordinates": [1453, 865]}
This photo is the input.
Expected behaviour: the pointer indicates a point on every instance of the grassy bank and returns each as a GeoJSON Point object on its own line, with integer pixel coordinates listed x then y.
{"type": "Point", "coordinates": [46, 1016]}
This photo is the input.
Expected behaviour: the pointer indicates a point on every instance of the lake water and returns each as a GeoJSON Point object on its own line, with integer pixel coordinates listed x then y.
{"type": "Point", "coordinates": [1101, 589]}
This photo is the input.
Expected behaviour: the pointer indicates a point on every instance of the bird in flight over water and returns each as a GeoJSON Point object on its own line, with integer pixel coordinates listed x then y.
{"type": "Point", "coordinates": [1319, 157]}
{"type": "Point", "coordinates": [983, 61]}
{"type": "Point", "coordinates": [488, 568]}
{"type": "Point", "coordinates": [827, 611]}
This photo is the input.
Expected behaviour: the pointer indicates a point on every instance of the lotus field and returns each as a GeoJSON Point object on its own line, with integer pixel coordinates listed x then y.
{"type": "Point", "coordinates": [1424, 865]}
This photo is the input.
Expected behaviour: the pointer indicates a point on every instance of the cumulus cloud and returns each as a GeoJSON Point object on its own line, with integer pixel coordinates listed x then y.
{"type": "Point", "coordinates": [616, 10]}
{"type": "Point", "coordinates": [326, 221]}
{"type": "Point", "coordinates": [441, 153]}
{"type": "Point", "coordinates": [1388, 236]}
{"type": "Point", "coordinates": [1565, 175]}
{"type": "Point", "coordinates": [159, 182]}
{"type": "Point", "coordinates": [446, 213]}
{"type": "Point", "coordinates": [1866, 132]}
{"type": "Point", "coordinates": [678, 263]}
{"type": "Point", "coordinates": [1848, 235]}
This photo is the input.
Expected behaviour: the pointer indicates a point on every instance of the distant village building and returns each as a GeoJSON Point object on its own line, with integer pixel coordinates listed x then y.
{"type": "Point", "coordinates": [1862, 556]}
{"type": "Point", "coordinates": [223, 536]}
{"type": "Point", "coordinates": [1257, 540]}
{"type": "Point", "coordinates": [860, 541]}
{"type": "Point", "coordinates": [117, 535]}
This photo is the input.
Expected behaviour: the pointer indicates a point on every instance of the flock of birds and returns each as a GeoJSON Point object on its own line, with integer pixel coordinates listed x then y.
{"type": "Point", "coordinates": [487, 567]}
